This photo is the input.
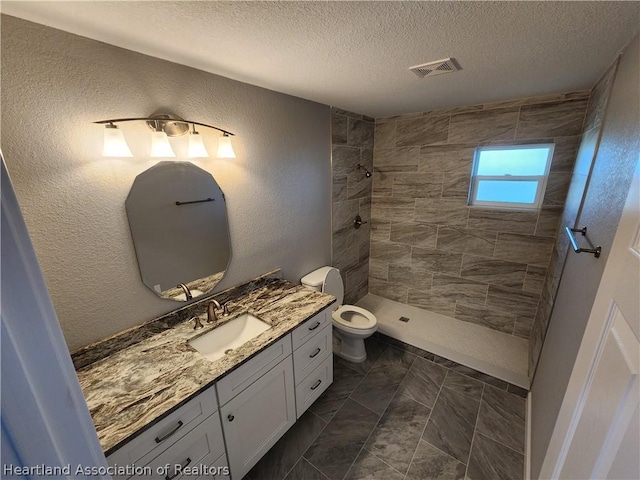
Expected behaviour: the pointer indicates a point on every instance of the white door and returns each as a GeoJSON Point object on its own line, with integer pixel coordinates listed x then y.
{"type": "Point", "coordinates": [597, 432]}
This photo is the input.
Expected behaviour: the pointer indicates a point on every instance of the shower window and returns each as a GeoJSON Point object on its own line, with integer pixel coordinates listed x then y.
{"type": "Point", "coordinates": [513, 176]}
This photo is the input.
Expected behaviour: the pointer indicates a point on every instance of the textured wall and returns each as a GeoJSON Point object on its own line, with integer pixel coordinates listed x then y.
{"type": "Point", "coordinates": [429, 248]}
{"type": "Point", "coordinates": [606, 192]}
{"type": "Point", "coordinates": [579, 179]}
{"type": "Point", "coordinates": [55, 84]}
{"type": "Point", "coordinates": [352, 144]}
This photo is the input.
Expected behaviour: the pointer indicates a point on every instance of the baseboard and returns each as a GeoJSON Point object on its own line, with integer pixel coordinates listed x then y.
{"type": "Point", "coordinates": [527, 441]}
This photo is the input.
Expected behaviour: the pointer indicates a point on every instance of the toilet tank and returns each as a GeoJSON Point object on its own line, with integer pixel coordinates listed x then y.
{"type": "Point", "coordinates": [327, 280]}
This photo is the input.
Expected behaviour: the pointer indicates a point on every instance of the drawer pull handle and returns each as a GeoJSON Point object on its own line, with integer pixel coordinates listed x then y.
{"type": "Point", "coordinates": [315, 326]}
{"type": "Point", "coordinates": [316, 385]}
{"type": "Point", "coordinates": [230, 417]}
{"type": "Point", "coordinates": [184, 465]}
{"type": "Point", "coordinates": [164, 437]}
{"type": "Point", "coordinates": [315, 353]}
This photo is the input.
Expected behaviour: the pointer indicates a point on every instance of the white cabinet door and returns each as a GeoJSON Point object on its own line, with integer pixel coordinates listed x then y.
{"type": "Point", "coordinates": [257, 417]}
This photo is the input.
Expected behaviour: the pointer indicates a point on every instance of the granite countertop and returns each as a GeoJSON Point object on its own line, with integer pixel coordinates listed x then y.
{"type": "Point", "coordinates": [134, 386]}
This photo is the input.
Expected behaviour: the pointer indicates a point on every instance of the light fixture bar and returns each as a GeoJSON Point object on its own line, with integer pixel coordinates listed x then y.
{"type": "Point", "coordinates": [156, 119]}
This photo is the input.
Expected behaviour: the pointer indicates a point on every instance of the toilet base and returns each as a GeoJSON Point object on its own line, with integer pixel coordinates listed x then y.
{"type": "Point", "coordinates": [348, 347]}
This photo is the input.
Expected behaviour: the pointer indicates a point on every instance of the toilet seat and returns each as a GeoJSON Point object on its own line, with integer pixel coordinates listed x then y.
{"type": "Point", "coordinates": [355, 320]}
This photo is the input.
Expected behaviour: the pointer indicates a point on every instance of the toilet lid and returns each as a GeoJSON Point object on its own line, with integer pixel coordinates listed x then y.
{"type": "Point", "coordinates": [354, 317]}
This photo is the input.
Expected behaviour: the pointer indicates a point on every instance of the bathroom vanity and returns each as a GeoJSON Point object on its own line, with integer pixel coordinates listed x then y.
{"type": "Point", "coordinates": [158, 403]}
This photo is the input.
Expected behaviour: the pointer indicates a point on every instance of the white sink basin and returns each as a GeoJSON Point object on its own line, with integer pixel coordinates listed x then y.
{"type": "Point", "coordinates": [217, 343]}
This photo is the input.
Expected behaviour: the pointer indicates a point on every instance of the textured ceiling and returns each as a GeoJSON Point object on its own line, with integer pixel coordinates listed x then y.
{"type": "Point", "coordinates": [356, 55]}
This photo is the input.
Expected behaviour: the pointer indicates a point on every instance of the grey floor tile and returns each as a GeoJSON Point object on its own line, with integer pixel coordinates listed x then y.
{"type": "Point", "coordinates": [305, 471]}
{"type": "Point", "coordinates": [452, 422]}
{"type": "Point", "coordinates": [470, 372]}
{"type": "Point", "coordinates": [519, 391]}
{"type": "Point", "coordinates": [405, 346]}
{"type": "Point", "coordinates": [395, 438]}
{"type": "Point", "coordinates": [374, 349]}
{"type": "Point", "coordinates": [335, 449]}
{"type": "Point", "coordinates": [369, 467]}
{"type": "Point", "coordinates": [429, 463]}
{"type": "Point", "coordinates": [463, 384]}
{"type": "Point", "coordinates": [286, 452]}
{"type": "Point", "coordinates": [502, 418]}
{"type": "Point", "coordinates": [490, 460]}
{"type": "Point", "coordinates": [345, 381]}
{"type": "Point", "coordinates": [379, 386]}
{"type": "Point", "coordinates": [423, 381]}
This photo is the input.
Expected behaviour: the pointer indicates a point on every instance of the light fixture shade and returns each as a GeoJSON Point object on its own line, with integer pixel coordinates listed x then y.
{"type": "Point", "coordinates": [225, 149]}
{"type": "Point", "coordinates": [196, 147]}
{"type": "Point", "coordinates": [115, 144]}
{"type": "Point", "coordinates": [160, 146]}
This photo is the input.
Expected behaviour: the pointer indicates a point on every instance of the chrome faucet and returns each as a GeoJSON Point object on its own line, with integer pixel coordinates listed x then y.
{"type": "Point", "coordinates": [185, 289]}
{"type": "Point", "coordinates": [211, 310]}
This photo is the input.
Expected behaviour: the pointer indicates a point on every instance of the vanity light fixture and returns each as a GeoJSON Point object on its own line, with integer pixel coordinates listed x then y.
{"type": "Point", "coordinates": [114, 143]}
{"type": "Point", "coordinates": [163, 126]}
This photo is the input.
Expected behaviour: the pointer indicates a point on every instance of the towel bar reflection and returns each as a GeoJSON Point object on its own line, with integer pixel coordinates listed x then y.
{"type": "Point", "coordinates": [574, 244]}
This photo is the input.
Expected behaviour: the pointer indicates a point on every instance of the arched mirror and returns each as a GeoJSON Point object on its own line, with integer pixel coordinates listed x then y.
{"type": "Point", "coordinates": [178, 220]}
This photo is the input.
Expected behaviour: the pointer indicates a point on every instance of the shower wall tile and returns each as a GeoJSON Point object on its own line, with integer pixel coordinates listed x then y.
{"type": "Point", "coordinates": [564, 153]}
{"type": "Point", "coordinates": [396, 157]}
{"type": "Point", "coordinates": [378, 269]}
{"type": "Point", "coordinates": [475, 127]}
{"type": "Point", "coordinates": [512, 300]}
{"type": "Point", "coordinates": [503, 322]}
{"type": "Point", "coordinates": [417, 185]}
{"type": "Point", "coordinates": [480, 265]}
{"type": "Point", "coordinates": [397, 209]}
{"type": "Point", "coordinates": [414, 233]}
{"type": "Point", "coordinates": [493, 271]}
{"type": "Point", "coordinates": [534, 279]}
{"type": "Point", "coordinates": [459, 289]}
{"type": "Point", "coordinates": [441, 211]}
{"type": "Point", "coordinates": [524, 248]}
{"type": "Point", "coordinates": [456, 185]}
{"type": "Point", "coordinates": [394, 253]}
{"type": "Point", "coordinates": [557, 119]}
{"type": "Point", "coordinates": [557, 188]}
{"type": "Point", "coordinates": [549, 221]}
{"type": "Point", "coordinates": [422, 131]}
{"type": "Point", "coordinates": [502, 220]}
{"type": "Point", "coordinates": [360, 133]}
{"type": "Point", "coordinates": [446, 159]}
{"type": "Point", "coordinates": [338, 130]}
{"type": "Point", "coordinates": [352, 138]}
{"type": "Point", "coordinates": [464, 240]}
{"type": "Point", "coordinates": [432, 302]}
{"type": "Point", "coordinates": [414, 277]}
{"type": "Point", "coordinates": [436, 261]}
{"type": "Point", "coordinates": [385, 135]}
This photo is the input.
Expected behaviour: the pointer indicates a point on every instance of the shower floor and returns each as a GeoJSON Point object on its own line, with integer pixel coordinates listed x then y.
{"type": "Point", "coordinates": [483, 349]}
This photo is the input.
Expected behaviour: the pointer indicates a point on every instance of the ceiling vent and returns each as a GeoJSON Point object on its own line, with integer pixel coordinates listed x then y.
{"type": "Point", "coordinates": [447, 65]}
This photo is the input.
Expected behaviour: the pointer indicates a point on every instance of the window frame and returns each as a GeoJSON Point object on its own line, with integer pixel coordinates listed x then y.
{"type": "Point", "coordinates": [541, 179]}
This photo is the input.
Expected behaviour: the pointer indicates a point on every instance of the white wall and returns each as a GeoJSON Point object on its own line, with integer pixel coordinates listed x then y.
{"type": "Point", "coordinates": [54, 85]}
{"type": "Point", "coordinates": [604, 200]}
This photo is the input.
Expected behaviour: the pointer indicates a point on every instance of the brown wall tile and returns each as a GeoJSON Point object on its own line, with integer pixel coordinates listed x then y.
{"type": "Point", "coordinates": [432, 302]}
{"type": "Point", "coordinates": [446, 159]}
{"type": "Point", "coordinates": [417, 185]}
{"type": "Point", "coordinates": [422, 131]}
{"type": "Point", "coordinates": [464, 240]}
{"type": "Point", "coordinates": [478, 127]}
{"type": "Point", "coordinates": [493, 271]}
{"type": "Point", "coordinates": [385, 135]}
{"type": "Point", "coordinates": [503, 322]}
{"type": "Point", "coordinates": [394, 253]}
{"type": "Point", "coordinates": [502, 220]}
{"type": "Point", "coordinates": [392, 209]}
{"type": "Point", "coordinates": [436, 261]}
{"type": "Point", "coordinates": [442, 211]}
{"type": "Point", "coordinates": [413, 277]}
{"type": "Point", "coordinates": [557, 119]}
{"type": "Point", "coordinates": [512, 301]}
{"type": "Point", "coordinates": [459, 289]}
{"type": "Point", "coordinates": [524, 248]}
{"type": "Point", "coordinates": [413, 233]}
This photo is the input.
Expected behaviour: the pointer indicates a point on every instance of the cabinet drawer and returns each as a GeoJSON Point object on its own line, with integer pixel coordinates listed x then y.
{"type": "Point", "coordinates": [312, 353]}
{"type": "Point", "coordinates": [312, 326]}
{"type": "Point", "coordinates": [236, 381]}
{"type": "Point", "coordinates": [313, 386]}
{"type": "Point", "coordinates": [167, 431]}
{"type": "Point", "coordinates": [202, 447]}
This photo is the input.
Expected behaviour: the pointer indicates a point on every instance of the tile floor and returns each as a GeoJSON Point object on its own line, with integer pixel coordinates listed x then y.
{"type": "Point", "coordinates": [404, 414]}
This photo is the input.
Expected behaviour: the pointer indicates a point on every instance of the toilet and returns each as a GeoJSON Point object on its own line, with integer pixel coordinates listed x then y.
{"type": "Point", "coordinates": [351, 324]}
